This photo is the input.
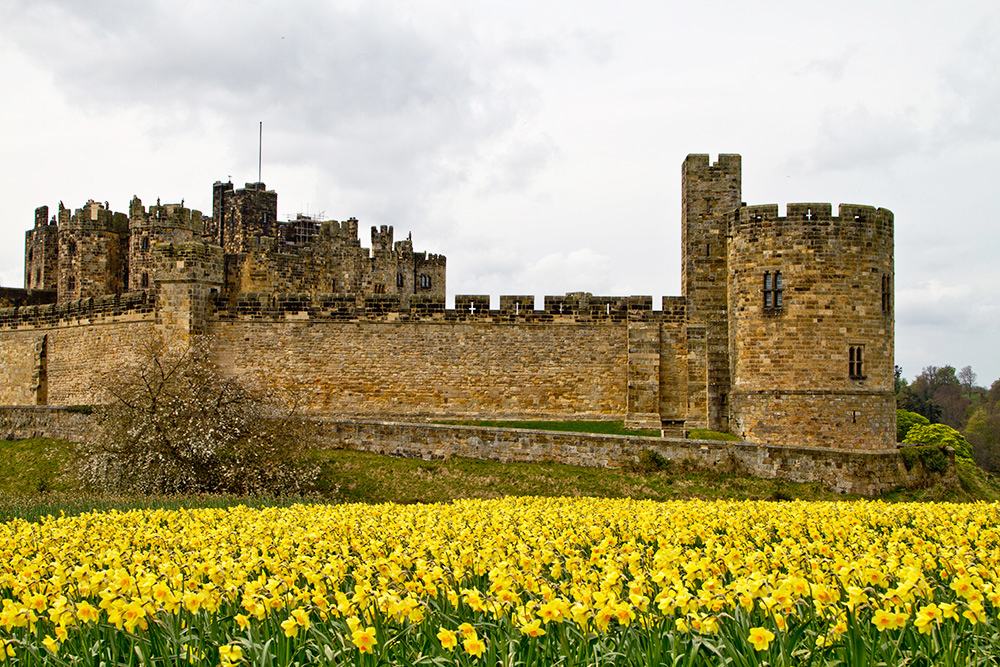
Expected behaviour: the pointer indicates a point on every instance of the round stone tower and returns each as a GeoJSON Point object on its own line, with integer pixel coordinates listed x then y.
{"type": "Point", "coordinates": [811, 326]}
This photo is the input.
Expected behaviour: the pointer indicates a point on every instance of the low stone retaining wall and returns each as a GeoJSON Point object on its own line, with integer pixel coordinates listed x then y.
{"type": "Point", "coordinates": [22, 423]}
{"type": "Point", "coordinates": [845, 471]}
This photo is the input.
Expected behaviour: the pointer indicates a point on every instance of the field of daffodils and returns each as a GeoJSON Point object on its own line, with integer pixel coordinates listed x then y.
{"type": "Point", "coordinates": [516, 581]}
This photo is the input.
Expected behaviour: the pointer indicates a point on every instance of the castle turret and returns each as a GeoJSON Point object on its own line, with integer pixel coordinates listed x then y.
{"type": "Point", "coordinates": [92, 252]}
{"type": "Point", "coordinates": [187, 276]}
{"type": "Point", "coordinates": [167, 223]}
{"type": "Point", "coordinates": [240, 215]}
{"type": "Point", "coordinates": [41, 253]}
{"type": "Point", "coordinates": [810, 304]}
{"type": "Point", "coordinates": [710, 194]}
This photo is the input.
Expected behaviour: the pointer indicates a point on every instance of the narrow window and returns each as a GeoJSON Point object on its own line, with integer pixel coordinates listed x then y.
{"type": "Point", "coordinates": [71, 247]}
{"type": "Point", "coordinates": [145, 280]}
{"type": "Point", "coordinates": [144, 243]}
{"type": "Point", "coordinates": [855, 362]}
{"type": "Point", "coordinates": [71, 283]}
{"type": "Point", "coordinates": [425, 281]}
{"type": "Point", "coordinates": [773, 290]}
{"type": "Point", "coordinates": [399, 280]}
{"type": "Point", "coordinates": [886, 293]}
{"type": "Point", "coordinates": [380, 288]}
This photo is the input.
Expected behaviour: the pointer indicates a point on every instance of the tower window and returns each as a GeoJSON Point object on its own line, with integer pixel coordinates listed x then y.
{"type": "Point", "coordinates": [71, 283]}
{"type": "Point", "coordinates": [886, 293]}
{"type": "Point", "coordinates": [399, 280]}
{"type": "Point", "coordinates": [855, 363]}
{"type": "Point", "coordinates": [379, 288]}
{"type": "Point", "coordinates": [144, 244]}
{"type": "Point", "coordinates": [773, 290]}
{"type": "Point", "coordinates": [425, 281]}
{"type": "Point", "coordinates": [145, 280]}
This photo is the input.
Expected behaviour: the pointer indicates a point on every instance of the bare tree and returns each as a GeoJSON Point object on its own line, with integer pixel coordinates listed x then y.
{"type": "Point", "coordinates": [174, 423]}
{"type": "Point", "coordinates": [968, 380]}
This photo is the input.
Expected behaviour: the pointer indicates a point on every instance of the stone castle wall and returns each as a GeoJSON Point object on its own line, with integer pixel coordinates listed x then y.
{"type": "Point", "coordinates": [457, 368]}
{"type": "Point", "coordinates": [76, 357]}
{"type": "Point", "coordinates": [342, 330]}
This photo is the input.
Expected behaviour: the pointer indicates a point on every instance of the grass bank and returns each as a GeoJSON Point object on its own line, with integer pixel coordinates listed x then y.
{"type": "Point", "coordinates": [36, 480]}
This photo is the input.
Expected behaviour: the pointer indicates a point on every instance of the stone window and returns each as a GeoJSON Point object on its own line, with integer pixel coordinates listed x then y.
{"type": "Point", "coordinates": [886, 293]}
{"type": "Point", "coordinates": [773, 290]}
{"type": "Point", "coordinates": [71, 247]}
{"type": "Point", "coordinates": [425, 281]}
{"type": "Point", "coordinates": [379, 288]}
{"type": "Point", "coordinates": [855, 363]}
{"type": "Point", "coordinates": [144, 244]}
{"type": "Point", "coordinates": [399, 280]}
{"type": "Point", "coordinates": [71, 283]}
{"type": "Point", "coordinates": [145, 280]}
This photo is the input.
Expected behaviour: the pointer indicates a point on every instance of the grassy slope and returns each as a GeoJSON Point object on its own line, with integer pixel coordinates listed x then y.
{"type": "Point", "coordinates": [35, 480]}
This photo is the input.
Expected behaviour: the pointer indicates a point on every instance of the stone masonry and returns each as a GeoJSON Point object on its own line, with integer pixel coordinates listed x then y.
{"type": "Point", "coordinates": [782, 334]}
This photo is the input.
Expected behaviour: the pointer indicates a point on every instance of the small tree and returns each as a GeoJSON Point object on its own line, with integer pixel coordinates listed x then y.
{"type": "Point", "coordinates": [173, 423]}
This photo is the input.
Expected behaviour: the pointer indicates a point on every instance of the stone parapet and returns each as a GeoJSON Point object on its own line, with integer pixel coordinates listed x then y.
{"type": "Point", "coordinates": [351, 307]}
{"type": "Point", "coordinates": [79, 311]}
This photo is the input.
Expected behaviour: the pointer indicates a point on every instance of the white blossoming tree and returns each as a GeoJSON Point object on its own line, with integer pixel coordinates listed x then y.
{"type": "Point", "coordinates": [173, 424]}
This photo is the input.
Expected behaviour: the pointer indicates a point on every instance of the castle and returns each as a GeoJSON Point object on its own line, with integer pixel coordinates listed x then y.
{"type": "Point", "coordinates": [783, 333]}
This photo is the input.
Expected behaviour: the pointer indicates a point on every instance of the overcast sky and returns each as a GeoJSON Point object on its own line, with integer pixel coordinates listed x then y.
{"type": "Point", "coordinates": [537, 145]}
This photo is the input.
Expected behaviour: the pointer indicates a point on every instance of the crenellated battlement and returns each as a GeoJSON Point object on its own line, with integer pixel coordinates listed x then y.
{"type": "Point", "coordinates": [700, 163]}
{"type": "Point", "coordinates": [381, 239]}
{"type": "Point", "coordinates": [812, 217]}
{"type": "Point", "coordinates": [80, 311]}
{"type": "Point", "coordinates": [92, 216]}
{"type": "Point", "coordinates": [574, 308]}
{"type": "Point", "coordinates": [165, 216]}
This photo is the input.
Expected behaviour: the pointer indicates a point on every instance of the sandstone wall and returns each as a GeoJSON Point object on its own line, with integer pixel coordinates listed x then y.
{"type": "Point", "coordinates": [434, 368]}
{"type": "Point", "coordinates": [76, 355]}
{"type": "Point", "coordinates": [22, 423]}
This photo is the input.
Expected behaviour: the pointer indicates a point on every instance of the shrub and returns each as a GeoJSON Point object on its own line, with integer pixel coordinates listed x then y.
{"type": "Point", "coordinates": [933, 458]}
{"type": "Point", "coordinates": [649, 461]}
{"type": "Point", "coordinates": [905, 420]}
{"type": "Point", "coordinates": [939, 434]}
{"type": "Point", "coordinates": [174, 424]}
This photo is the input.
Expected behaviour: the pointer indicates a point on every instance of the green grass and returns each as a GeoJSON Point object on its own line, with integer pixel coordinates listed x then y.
{"type": "Point", "coordinates": [602, 427]}
{"type": "Point", "coordinates": [705, 434]}
{"type": "Point", "coordinates": [35, 466]}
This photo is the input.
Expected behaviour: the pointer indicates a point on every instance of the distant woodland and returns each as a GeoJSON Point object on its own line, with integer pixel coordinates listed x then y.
{"type": "Point", "coordinates": [946, 396]}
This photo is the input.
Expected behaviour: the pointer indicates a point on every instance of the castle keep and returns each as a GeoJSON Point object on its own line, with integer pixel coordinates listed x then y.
{"type": "Point", "coordinates": [783, 333]}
